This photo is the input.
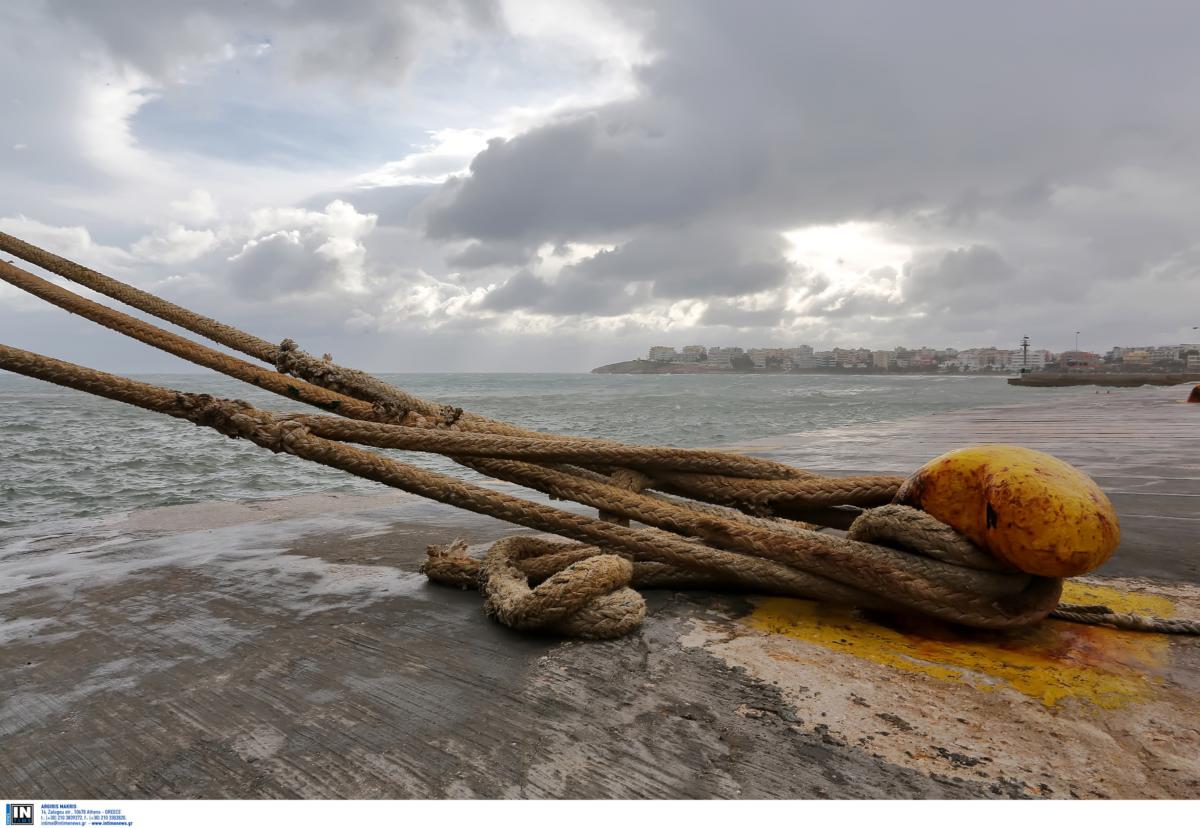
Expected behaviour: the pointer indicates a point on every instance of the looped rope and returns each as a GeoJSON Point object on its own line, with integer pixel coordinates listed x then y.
{"type": "Point", "coordinates": [600, 607]}
{"type": "Point", "coordinates": [908, 528]}
{"type": "Point", "coordinates": [589, 597]}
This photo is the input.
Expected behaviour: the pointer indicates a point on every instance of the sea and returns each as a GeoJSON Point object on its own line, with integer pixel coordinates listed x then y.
{"type": "Point", "coordinates": [69, 456]}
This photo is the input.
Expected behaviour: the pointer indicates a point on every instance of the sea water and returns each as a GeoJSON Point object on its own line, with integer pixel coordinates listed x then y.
{"type": "Point", "coordinates": [66, 455]}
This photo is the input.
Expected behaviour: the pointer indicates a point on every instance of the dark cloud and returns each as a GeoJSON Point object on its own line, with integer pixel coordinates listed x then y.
{"type": "Point", "coordinates": [279, 264]}
{"type": "Point", "coordinates": [376, 41]}
{"type": "Point", "coordinates": [478, 255]}
{"type": "Point", "coordinates": [574, 294]}
{"type": "Point", "coordinates": [522, 291]}
{"type": "Point", "coordinates": [693, 261]}
{"type": "Point", "coordinates": [1045, 135]}
{"type": "Point", "coordinates": [577, 179]}
{"type": "Point", "coordinates": [393, 205]}
{"type": "Point", "coordinates": [720, 313]}
{"type": "Point", "coordinates": [932, 276]}
{"type": "Point", "coordinates": [569, 295]}
{"type": "Point", "coordinates": [799, 114]}
{"type": "Point", "coordinates": [1026, 167]}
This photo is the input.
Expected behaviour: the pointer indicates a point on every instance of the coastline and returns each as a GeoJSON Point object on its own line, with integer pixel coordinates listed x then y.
{"type": "Point", "coordinates": [1037, 379]}
{"type": "Point", "coordinates": [645, 366]}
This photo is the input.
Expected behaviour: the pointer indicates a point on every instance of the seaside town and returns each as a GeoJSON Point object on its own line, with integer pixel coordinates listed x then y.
{"type": "Point", "coordinates": [1127, 358]}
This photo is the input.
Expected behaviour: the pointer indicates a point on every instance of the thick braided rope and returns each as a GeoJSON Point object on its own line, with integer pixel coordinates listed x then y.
{"type": "Point", "coordinates": [289, 359]}
{"type": "Point", "coordinates": [388, 403]}
{"type": "Point", "coordinates": [452, 565]}
{"type": "Point", "coordinates": [589, 598]}
{"type": "Point", "coordinates": [1105, 617]}
{"type": "Point", "coordinates": [362, 412]}
{"type": "Point", "coordinates": [212, 329]}
{"type": "Point", "coordinates": [179, 346]}
{"type": "Point", "coordinates": [769, 495]}
{"type": "Point", "coordinates": [795, 562]}
{"type": "Point", "coordinates": [351, 388]}
{"type": "Point", "coordinates": [596, 453]}
{"type": "Point", "coordinates": [928, 585]}
{"type": "Point", "coordinates": [286, 357]}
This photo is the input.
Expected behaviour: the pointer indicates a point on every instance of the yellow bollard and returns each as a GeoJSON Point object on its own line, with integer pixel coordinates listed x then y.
{"type": "Point", "coordinates": [1029, 509]}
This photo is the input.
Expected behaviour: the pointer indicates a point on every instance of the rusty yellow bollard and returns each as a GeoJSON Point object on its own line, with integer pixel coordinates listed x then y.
{"type": "Point", "coordinates": [1029, 509]}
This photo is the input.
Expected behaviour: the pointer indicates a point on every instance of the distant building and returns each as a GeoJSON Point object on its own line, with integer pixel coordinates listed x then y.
{"type": "Point", "coordinates": [1143, 356]}
{"type": "Point", "coordinates": [803, 357]}
{"type": "Point", "coordinates": [1165, 353]}
{"type": "Point", "coordinates": [985, 359]}
{"type": "Point", "coordinates": [723, 357]}
{"type": "Point", "coordinates": [1080, 360]}
{"type": "Point", "coordinates": [1136, 357]}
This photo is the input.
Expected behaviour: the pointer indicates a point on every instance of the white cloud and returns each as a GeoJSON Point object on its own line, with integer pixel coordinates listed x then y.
{"type": "Point", "coordinates": [108, 101]}
{"type": "Point", "coordinates": [73, 242]}
{"type": "Point", "coordinates": [198, 207]}
{"type": "Point", "coordinates": [449, 152]}
{"type": "Point", "coordinates": [296, 251]}
{"type": "Point", "coordinates": [175, 244]}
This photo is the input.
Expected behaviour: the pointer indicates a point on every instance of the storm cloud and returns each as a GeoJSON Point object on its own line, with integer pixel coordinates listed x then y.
{"type": "Point", "coordinates": [581, 183]}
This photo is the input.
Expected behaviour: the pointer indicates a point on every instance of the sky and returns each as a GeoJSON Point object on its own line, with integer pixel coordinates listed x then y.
{"type": "Point", "coordinates": [511, 185]}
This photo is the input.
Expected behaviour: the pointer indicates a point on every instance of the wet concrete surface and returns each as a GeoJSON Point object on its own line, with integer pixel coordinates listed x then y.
{"type": "Point", "coordinates": [322, 666]}
{"type": "Point", "coordinates": [292, 649]}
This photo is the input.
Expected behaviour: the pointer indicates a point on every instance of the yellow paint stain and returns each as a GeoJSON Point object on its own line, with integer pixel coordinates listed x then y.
{"type": "Point", "coordinates": [1050, 662]}
{"type": "Point", "coordinates": [1078, 592]}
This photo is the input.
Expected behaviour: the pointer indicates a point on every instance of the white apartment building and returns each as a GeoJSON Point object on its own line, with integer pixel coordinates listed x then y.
{"type": "Point", "coordinates": [1037, 359]}
{"type": "Point", "coordinates": [662, 353]}
{"type": "Point", "coordinates": [982, 359]}
{"type": "Point", "coordinates": [723, 357]}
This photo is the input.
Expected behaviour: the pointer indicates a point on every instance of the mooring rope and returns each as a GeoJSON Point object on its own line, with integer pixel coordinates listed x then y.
{"type": "Point", "coordinates": [725, 532]}
{"type": "Point", "coordinates": [374, 403]}
{"type": "Point", "coordinates": [941, 577]}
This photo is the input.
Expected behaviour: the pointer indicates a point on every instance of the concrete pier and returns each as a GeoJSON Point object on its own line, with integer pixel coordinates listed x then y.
{"type": "Point", "coordinates": [292, 649]}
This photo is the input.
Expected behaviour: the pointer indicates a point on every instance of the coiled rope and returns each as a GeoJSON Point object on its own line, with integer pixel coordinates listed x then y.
{"type": "Point", "coordinates": [735, 527]}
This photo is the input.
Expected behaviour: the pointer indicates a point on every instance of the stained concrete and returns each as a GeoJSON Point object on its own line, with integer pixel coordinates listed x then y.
{"type": "Point", "coordinates": [291, 649]}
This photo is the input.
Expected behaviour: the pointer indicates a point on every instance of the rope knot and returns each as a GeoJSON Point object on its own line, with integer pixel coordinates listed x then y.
{"type": "Point", "coordinates": [583, 592]}
{"type": "Point", "coordinates": [287, 357]}
{"type": "Point", "coordinates": [233, 418]}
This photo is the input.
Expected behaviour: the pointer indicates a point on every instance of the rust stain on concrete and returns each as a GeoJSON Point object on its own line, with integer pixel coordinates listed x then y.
{"type": "Point", "coordinates": [1062, 710]}
{"type": "Point", "coordinates": [1049, 662]}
